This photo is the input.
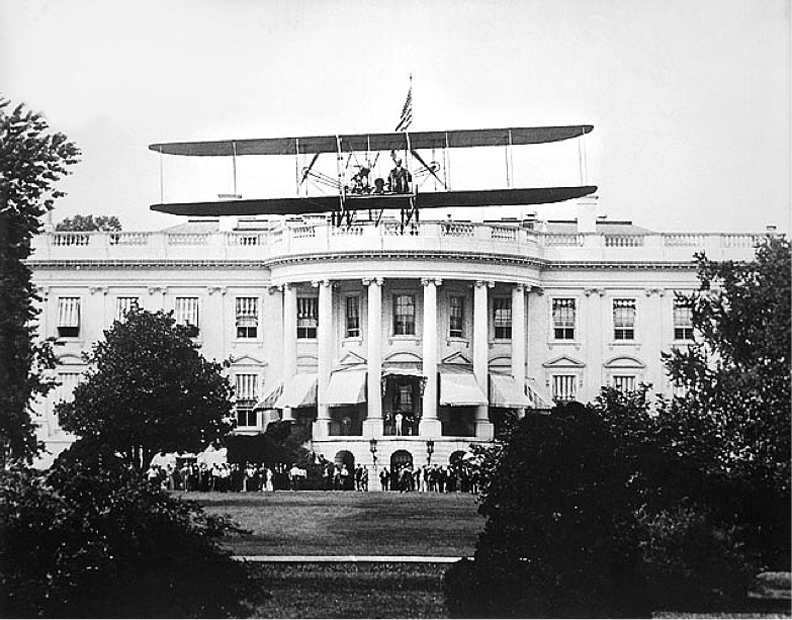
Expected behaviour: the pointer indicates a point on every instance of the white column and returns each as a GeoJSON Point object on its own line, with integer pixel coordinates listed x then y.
{"type": "Point", "coordinates": [289, 339]}
{"type": "Point", "coordinates": [595, 347]}
{"type": "Point", "coordinates": [321, 428]}
{"type": "Point", "coordinates": [484, 428]}
{"type": "Point", "coordinates": [372, 425]}
{"type": "Point", "coordinates": [518, 339]}
{"type": "Point", "coordinates": [430, 426]}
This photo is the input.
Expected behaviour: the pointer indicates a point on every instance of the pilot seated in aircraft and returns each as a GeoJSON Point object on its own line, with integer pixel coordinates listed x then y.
{"type": "Point", "coordinates": [360, 181]}
{"type": "Point", "coordinates": [399, 179]}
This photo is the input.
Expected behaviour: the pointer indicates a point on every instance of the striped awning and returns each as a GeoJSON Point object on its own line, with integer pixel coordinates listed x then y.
{"type": "Point", "coordinates": [460, 389]}
{"type": "Point", "coordinates": [271, 396]}
{"type": "Point", "coordinates": [537, 396]}
{"type": "Point", "coordinates": [409, 369]}
{"type": "Point", "coordinates": [299, 391]}
{"type": "Point", "coordinates": [504, 391]}
{"type": "Point", "coordinates": [346, 387]}
{"type": "Point", "coordinates": [68, 312]}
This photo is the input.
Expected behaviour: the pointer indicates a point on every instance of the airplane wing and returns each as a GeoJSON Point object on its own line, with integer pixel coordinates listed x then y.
{"type": "Point", "coordinates": [459, 138]}
{"type": "Point", "coordinates": [324, 204]}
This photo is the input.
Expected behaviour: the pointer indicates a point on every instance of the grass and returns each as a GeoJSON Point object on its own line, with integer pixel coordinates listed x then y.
{"type": "Point", "coordinates": [349, 523]}
{"type": "Point", "coordinates": [351, 591]}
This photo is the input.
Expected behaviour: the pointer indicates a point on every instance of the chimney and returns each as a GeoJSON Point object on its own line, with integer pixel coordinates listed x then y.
{"type": "Point", "coordinates": [587, 214]}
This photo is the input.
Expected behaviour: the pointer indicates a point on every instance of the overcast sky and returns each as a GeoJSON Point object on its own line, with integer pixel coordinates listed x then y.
{"type": "Point", "coordinates": [690, 99]}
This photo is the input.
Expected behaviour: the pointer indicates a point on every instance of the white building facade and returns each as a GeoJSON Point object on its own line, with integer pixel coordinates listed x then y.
{"type": "Point", "coordinates": [421, 341]}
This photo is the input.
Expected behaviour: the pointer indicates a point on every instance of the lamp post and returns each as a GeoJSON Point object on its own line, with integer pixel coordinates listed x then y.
{"type": "Point", "coordinates": [373, 448]}
{"type": "Point", "coordinates": [429, 451]}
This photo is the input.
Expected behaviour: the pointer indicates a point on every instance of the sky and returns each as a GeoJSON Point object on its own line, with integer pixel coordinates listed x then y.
{"type": "Point", "coordinates": [690, 99]}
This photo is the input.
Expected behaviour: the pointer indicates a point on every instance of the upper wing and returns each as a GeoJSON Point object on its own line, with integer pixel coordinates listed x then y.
{"type": "Point", "coordinates": [459, 138]}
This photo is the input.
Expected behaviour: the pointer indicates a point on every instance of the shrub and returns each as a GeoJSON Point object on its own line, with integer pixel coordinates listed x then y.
{"type": "Point", "coordinates": [90, 538]}
{"type": "Point", "coordinates": [693, 564]}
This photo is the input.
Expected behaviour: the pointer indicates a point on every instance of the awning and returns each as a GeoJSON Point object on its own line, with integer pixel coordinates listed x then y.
{"type": "Point", "coordinates": [299, 391]}
{"type": "Point", "coordinates": [272, 395]}
{"type": "Point", "coordinates": [539, 400]}
{"type": "Point", "coordinates": [505, 392]}
{"type": "Point", "coordinates": [409, 369]}
{"type": "Point", "coordinates": [346, 387]}
{"type": "Point", "coordinates": [460, 389]}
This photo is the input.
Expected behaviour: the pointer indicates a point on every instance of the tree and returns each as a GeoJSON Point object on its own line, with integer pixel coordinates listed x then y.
{"type": "Point", "coordinates": [734, 421]}
{"type": "Point", "coordinates": [91, 539]}
{"type": "Point", "coordinates": [32, 161]}
{"type": "Point", "coordinates": [149, 390]}
{"type": "Point", "coordinates": [88, 223]}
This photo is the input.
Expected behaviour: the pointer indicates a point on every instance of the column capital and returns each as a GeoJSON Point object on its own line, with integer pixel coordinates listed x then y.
{"type": "Point", "coordinates": [97, 289]}
{"type": "Point", "coordinates": [157, 289]}
{"type": "Point", "coordinates": [592, 291]}
{"type": "Point", "coordinates": [428, 281]}
{"type": "Point", "coordinates": [655, 291]}
{"type": "Point", "coordinates": [487, 283]}
{"type": "Point", "coordinates": [217, 289]}
{"type": "Point", "coordinates": [325, 282]}
{"type": "Point", "coordinates": [42, 291]}
{"type": "Point", "coordinates": [275, 288]}
{"type": "Point", "coordinates": [369, 281]}
{"type": "Point", "coordinates": [520, 287]}
{"type": "Point", "coordinates": [538, 290]}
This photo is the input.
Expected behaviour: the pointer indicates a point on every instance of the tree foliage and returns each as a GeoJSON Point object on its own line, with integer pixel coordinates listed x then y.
{"type": "Point", "coordinates": [149, 390]}
{"type": "Point", "coordinates": [734, 421]}
{"type": "Point", "coordinates": [32, 161]}
{"type": "Point", "coordinates": [91, 539]}
{"type": "Point", "coordinates": [88, 223]}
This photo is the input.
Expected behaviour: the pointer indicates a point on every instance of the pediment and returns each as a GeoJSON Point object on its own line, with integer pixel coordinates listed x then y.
{"type": "Point", "coordinates": [500, 361]}
{"type": "Point", "coordinates": [403, 356]}
{"type": "Point", "coordinates": [457, 358]}
{"type": "Point", "coordinates": [564, 361]}
{"type": "Point", "coordinates": [70, 359]}
{"type": "Point", "coordinates": [247, 360]}
{"type": "Point", "coordinates": [351, 359]}
{"type": "Point", "coordinates": [624, 361]}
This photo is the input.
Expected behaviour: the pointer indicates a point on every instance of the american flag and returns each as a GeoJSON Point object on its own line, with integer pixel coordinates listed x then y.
{"type": "Point", "coordinates": [406, 116]}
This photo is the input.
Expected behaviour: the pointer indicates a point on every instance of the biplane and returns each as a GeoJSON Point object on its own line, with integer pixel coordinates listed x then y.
{"type": "Point", "coordinates": [417, 157]}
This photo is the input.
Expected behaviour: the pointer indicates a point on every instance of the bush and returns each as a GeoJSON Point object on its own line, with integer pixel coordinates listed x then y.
{"type": "Point", "coordinates": [559, 537]}
{"type": "Point", "coordinates": [693, 564]}
{"type": "Point", "coordinates": [90, 538]}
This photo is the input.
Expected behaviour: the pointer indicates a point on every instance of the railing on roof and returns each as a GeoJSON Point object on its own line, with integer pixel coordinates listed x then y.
{"type": "Point", "coordinates": [306, 237]}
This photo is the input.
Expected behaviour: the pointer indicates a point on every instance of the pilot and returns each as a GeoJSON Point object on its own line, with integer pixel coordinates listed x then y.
{"type": "Point", "coordinates": [360, 181]}
{"type": "Point", "coordinates": [399, 179]}
{"type": "Point", "coordinates": [379, 186]}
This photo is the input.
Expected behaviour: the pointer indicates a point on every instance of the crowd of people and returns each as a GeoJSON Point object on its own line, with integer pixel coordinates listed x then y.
{"type": "Point", "coordinates": [455, 478]}
{"type": "Point", "coordinates": [191, 476]}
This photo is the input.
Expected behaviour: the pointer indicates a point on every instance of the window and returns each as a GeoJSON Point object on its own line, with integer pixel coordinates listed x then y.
{"type": "Point", "coordinates": [404, 398]}
{"type": "Point", "coordinates": [124, 305]}
{"type": "Point", "coordinates": [404, 315]}
{"type": "Point", "coordinates": [624, 383]}
{"type": "Point", "coordinates": [353, 317]}
{"type": "Point", "coordinates": [187, 313]}
{"type": "Point", "coordinates": [683, 320]}
{"type": "Point", "coordinates": [564, 319]}
{"type": "Point", "coordinates": [564, 387]}
{"type": "Point", "coordinates": [65, 391]}
{"type": "Point", "coordinates": [502, 317]}
{"type": "Point", "coordinates": [246, 393]}
{"type": "Point", "coordinates": [307, 317]}
{"type": "Point", "coordinates": [624, 319]}
{"type": "Point", "coordinates": [246, 417]}
{"type": "Point", "coordinates": [247, 317]}
{"type": "Point", "coordinates": [68, 317]}
{"type": "Point", "coordinates": [456, 327]}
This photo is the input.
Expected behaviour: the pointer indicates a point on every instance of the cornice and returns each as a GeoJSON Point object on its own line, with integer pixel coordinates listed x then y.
{"type": "Point", "coordinates": [389, 255]}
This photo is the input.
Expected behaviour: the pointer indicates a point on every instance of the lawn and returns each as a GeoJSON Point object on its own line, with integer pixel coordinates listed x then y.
{"type": "Point", "coordinates": [349, 523]}
{"type": "Point", "coordinates": [351, 590]}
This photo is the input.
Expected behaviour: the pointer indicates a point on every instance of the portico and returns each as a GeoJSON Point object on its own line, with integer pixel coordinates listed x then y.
{"type": "Point", "coordinates": [401, 357]}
